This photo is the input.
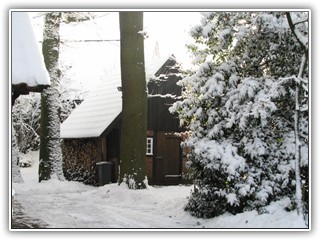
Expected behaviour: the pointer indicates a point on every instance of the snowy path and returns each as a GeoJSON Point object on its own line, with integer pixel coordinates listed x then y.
{"type": "Point", "coordinates": [75, 205]}
{"type": "Point", "coordinates": [22, 221]}
{"type": "Point", "coordinates": [110, 206]}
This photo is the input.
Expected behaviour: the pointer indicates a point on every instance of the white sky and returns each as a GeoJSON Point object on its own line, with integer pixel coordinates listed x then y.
{"type": "Point", "coordinates": [170, 29]}
{"type": "Point", "coordinates": [91, 61]}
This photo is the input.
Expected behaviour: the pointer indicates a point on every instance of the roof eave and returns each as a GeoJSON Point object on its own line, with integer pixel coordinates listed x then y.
{"type": "Point", "coordinates": [112, 125]}
{"type": "Point", "coordinates": [23, 88]}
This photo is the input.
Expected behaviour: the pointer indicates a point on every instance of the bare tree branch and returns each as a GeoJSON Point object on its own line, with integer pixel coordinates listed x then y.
{"type": "Point", "coordinates": [297, 34]}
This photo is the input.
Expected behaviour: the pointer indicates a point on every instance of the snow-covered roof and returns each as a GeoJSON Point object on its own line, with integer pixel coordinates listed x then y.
{"type": "Point", "coordinates": [101, 107]}
{"type": "Point", "coordinates": [28, 67]}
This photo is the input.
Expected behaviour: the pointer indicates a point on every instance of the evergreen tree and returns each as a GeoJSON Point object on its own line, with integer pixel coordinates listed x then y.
{"type": "Point", "coordinates": [239, 107]}
{"type": "Point", "coordinates": [134, 104]}
{"type": "Point", "coordinates": [50, 163]}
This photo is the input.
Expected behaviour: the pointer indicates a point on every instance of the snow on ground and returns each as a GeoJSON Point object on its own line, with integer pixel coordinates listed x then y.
{"type": "Point", "coordinates": [73, 205]}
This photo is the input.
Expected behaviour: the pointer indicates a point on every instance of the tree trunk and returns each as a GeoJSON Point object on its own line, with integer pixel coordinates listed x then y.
{"type": "Point", "coordinates": [297, 141]}
{"type": "Point", "coordinates": [15, 168]}
{"type": "Point", "coordinates": [296, 116]}
{"type": "Point", "coordinates": [134, 109]}
{"type": "Point", "coordinates": [50, 164]}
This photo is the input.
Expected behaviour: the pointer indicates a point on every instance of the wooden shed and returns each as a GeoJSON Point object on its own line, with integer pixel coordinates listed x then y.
{"type": "Point", "coordinates": [91, 134]}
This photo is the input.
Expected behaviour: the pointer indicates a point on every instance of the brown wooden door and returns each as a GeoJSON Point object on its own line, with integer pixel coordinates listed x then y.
{"type": "Point", "coordinates": [168, 161]}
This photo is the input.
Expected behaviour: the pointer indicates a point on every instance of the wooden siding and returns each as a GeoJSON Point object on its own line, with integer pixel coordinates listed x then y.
{"type": "Point", "coordinates": [159, 117]}
{"type": "Point", "coordinates": [165, 85]}
{"type": "Point", "coordinates": [113, 152]}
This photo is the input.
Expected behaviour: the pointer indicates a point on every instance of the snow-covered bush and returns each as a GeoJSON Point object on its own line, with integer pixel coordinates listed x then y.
{"type": "Point", "coordinates": [239, 107]}
{"type": "Point", "coordinates": [26, 118]}
{"type": "Point", "coordinates": [26, 121]}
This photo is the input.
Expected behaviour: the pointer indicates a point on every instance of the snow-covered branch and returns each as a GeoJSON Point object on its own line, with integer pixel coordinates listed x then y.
{"type": "Point", "coordinates": [292, 78]}
{"type": "Point", "coordinates": [144, 34]}
{"type": "Point", "coordinates": [168, 95]}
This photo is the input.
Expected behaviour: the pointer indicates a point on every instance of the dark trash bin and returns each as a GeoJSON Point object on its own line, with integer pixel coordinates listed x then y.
{"type": "Point", "coordinates": [104, 172]}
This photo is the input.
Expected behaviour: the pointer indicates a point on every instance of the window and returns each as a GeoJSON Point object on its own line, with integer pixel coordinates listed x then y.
{"type": "Point", "coordinates": [149, 146]}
